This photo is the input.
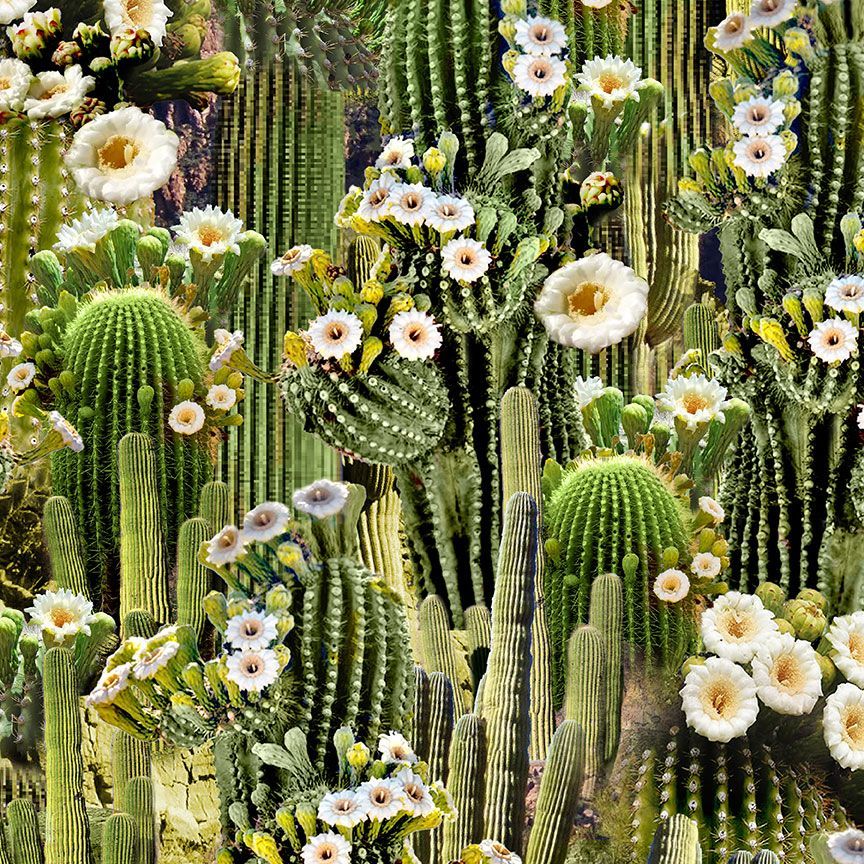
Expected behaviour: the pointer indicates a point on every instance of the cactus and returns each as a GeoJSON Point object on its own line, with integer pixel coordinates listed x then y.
{"type": "Point", "coordinates": [792, 234]}
{"type": "Point", "coordinates": [114, 351]}
{"type": "Point", "coordinates": [291, 116]}
{"type": "Point", "coordinates": [119, 840]}
{"type": "Point", "coordinates": [740, 795]}
{"type": "Point", "coordinates": [24, 832]}
{"type": "Point", "coordinates": [506, 699]}
{"type": "Point", "coordinates": [67, 830]}
{"type": "Point", "coordinates": [559, 797]}
{"type": "Point", "coordinates": [676, 841]}
{"type": "Point", "coordinates": [700, 330]}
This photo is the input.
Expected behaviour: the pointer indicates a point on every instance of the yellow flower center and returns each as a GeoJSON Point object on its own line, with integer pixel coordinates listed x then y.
{"type": "Point", "coordinates": [734, 25]}
{"type": "Point", "coordinates": [336, 331]}
{"type": "Point", "coordinates": [187, 415]}
{"type": "Point", "coordinates": [327, 852]}
{"type": "Point", "coordinates": [5, 83]}
{"type": "Point", "coordinates": [541, 34]}
{"type": "Point", "coordinates": [378, 196]}
{"type": "Point", "coordinates": [759, 151]}
{"type": "Point", "coordinates": [670, 584]}
{"type": "Point", "coordinates": [226, 541]}
{"type": "Point", "coordinates": [720, 699]}
{"type": "Point", "coordinates": [209, 234]}
{"type": "Point", "coordinates": [448, 211]}
{"type": "Point", "coordinates": [852, 721]}
{"type": "Point", "coordinates": [117, 153]}
{"type": "Point", "coordinates": [693, 402]}
{"type": "Point", "coordinates": [60, 617]}
{"type": "Point", "coordinates": [138, 12]}
{"type": "Point", "coordinates": [758, 113]}
{"type": "Point", "coordinates": [856, 647]}
{"type": "Point", "coordinates": [381, 797]}
{"type": "Point", "coordinates": [608, 82]}
{"type": "Point", "coordinates": [539, 70]}
{"type": "Point", "coordinates": [415, 333]}
{"type": "Point", "coordinates": [53, 91]}
{"type": "Point", "coordinates": [737, 626]}
{"type": "Point", "coordinates": [411, 201]}
{"type": "Point", "coordinates": [788, 674]}
{"type": "Point", "coordinates": [587, 299]}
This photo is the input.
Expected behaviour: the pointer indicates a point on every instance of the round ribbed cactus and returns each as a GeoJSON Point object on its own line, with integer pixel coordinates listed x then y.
{"type": "Point", "coordinates": [127, 354]}
{"type": "Point", "coordinates": [393, 415]}
{"type": "Point", "coordinates": [603, 510]}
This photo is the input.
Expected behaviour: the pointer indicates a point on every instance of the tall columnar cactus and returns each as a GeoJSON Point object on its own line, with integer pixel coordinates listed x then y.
{"type": "Point", "coordinates": [281, 168]}
{"type": "Point", "coordinates": [740, 795]}
{"type": "Point", "coordinates": [784, 238]}
{"type": "Point", "coordinates": [506, 697]}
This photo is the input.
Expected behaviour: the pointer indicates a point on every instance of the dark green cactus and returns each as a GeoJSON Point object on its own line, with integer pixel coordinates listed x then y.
{"type": "Point", "coordinates": [676, 841]}
{"type": "Point", "coordinates": [119, 840]}
{"type": "Point", "coordinates": [606, 615]}
{"type": "Point", "coordinates": [466, 783]}
{"type": "Point", "coordinates": [700, 331]}
{"type": "Point", "coordinates": [24, 837]}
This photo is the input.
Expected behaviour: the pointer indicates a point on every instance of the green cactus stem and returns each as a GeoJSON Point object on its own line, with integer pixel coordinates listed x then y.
{"type": "Point", "coordinates": [24, 838]}
{"type": "Point", "coordinates": [676, 842]}
{"type": "Point", "coordinates": [119, 840]}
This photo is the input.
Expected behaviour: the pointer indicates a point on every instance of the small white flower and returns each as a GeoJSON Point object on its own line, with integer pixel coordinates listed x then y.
{"type": "Point", "coordinates": [846, 635]}
{"type": "Point", "coordinates": [734, 31]}
{"type": "Point", "coordinates": [226, 546]}
{"type": "Point", "coordinates": [787, 675]}
{"type": "Point", "coordinates": [537, 35]}
{"type": "Point", "coordinates": [20, 377]}
{"type": "Point", "coordinates": [336, 333]}
{"type": "Point", "coordinates": [705, 565]}
{"type": "Point", "coordinates": [226, 344]}
{"type": "Point", "coordinates": [395, 748]}
{"type": "Point", "coordinates": [382, 799]}
{"type": "Point", "coordinates": [846, 294]}
{"type": "Point", "coordinates": [9, 347]}
{"type": "Point", "coordinates": [408, 203]}
{"type": "Point", "coordinates": [694, 400]}
{"type": "Point", "coordinates": [266, 521]}
{"type": "Point", "coordinates": [397, 153]}
{"type": "Point", "coordinates": [209, 231]}
{"type": "Point", "coordinates": [341, 810]}
{"type": "Point", "coordinates": [186, 418]}
{"type": "Point", "coordinates": [111, 684]}
{"type": "Point", "coordinates": [251, 631]}
{"type": "Point", "coordinates": [149, 15]}
{"type": "Point", "coordinates": [53, 94]}
{"type": "Point", "coordinates": [62, 614]}
{"type": "Point", "coordinates": [834, 340]}
{"type": "Point", "coordinates": [415, 335]}
{"type": "Point", "coordinates": [610, 79]}
{"type": "Point", "coordinates": [15, 78]}
{"type": "Point", "coordinates": [587, 390]}
{"type": "Point", "coordinates": [86, 231]}
{"type": "Point", "coordinates": [68, 433]}
{"type": "Point", "coordinates": [148, 661]}
{"type": "Point", "coordinates": [293, 260]}
{"type": "Point", "coordinates": [710, 507]}
{"type": "Point", "coordinates": [759, 155]}
{"type": "Point", "coordinates": [758, 116]}
{"type": "Point", "coordinates": [449, 213]}
{"type": "Point", "coordinates": [253, 670]}
{"type": "Point", "coordinates": [671, 586]}
{"type": "Point", "coordinates": [375, 203]}
{"type": "Point", "coordinates": [592, 303]}
{"type": "Point", "coordinates": [465, 260]}
{"type": "Point", "coordinates": [498, 853]}
{"type": "Point", "coordinates": [770, 13]}
{"type": "Point", "coordinates": [736, 626]}
{"type": "Point", "coordinates": [843, 726]}
{"type": "Point", "coordinates": [122, 156]}
{"type": "Point", "coordinates": [221, 397]}
{"type": "Point", "coordinates": [847, 847]}
{"type": "Point", "coordinates": [719, 700]}
{"type": "Point", "coordinates": [321, 499]}
{"type": "Point", "coordinates": [417, 796]}
{"type": "Point", "coordinates": [539, 75]}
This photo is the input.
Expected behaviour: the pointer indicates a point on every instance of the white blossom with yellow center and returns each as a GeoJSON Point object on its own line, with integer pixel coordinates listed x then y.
{"type": "Point", "coordinates": [610, 79]}
{"type": "Point", "coordinates": [846, 635]}
{"type": "Point", "coordinates": [62, 615]}
{"type": "Point", "coordinates": [736, 626]}
{"type": "Point", "coordinates": [149, 15]}
{"type": "Point", "coordinates": [719, 700]}
{"type": "Point", "coordinates": [787, 675]}
{"type": "Point", "coordinates": [843, 726]}
{"type": "Point", "coordinates": [694, 400]}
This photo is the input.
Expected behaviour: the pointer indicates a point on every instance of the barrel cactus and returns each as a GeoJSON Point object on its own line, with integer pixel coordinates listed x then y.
{"type": "Point", "coordinates": [119, 347]}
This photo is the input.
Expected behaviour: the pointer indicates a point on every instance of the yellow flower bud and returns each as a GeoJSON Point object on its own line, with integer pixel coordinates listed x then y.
{"type": "Point", "coordinates": [357, 756]}
{"type": "Point", "coordinates": [264, 846]}
{"type": "Point", "coordinates": [507, 28]}
{"type": "Point", "coordinates": [771, 330]}
{"type": "Point", "coordinates": [372, 347]}
{"type": "Point", "coordinates": [290, 554]}
{"type": "Point", "coordinates": [434, 161]}
{"type": "Point", "coordinates": [372, 292]}
{"type": "Point", "coordinates": [795, 310]}
{"type": "Point", "coordinates": [294, 349]}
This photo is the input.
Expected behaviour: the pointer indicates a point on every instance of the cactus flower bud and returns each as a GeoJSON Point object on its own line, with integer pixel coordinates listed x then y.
{"type": "Point", "coordinates": [807, 618]}
{"type": "Point", "coordinates": [434, 161]}
{"type": "Point", "coordinates": [600, 188]}
{"type": "Point", "coordinates": [36, 36]}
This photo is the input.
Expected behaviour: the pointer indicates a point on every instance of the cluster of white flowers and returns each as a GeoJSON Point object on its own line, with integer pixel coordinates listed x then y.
{"type": "Point", "coordinates": [260, 525]}
{"type": "Point", "coordinates": [843, 719]}
{"type": "Point", "coordinates": [720, 697]}
{"type": "Point", "coordinates": [736, 30]}
{"type": "Point", "coordinates": [539, 69]}
{"type": "Point", "coordinates": [835, 340]}
{"type": "Point", "coordinates": [45, 95]}
{"type": "Point", "coordinates": [361, 813]}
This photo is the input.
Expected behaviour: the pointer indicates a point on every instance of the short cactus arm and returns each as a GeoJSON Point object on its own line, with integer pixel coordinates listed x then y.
{"type": "Point", "coordinates": [61, 538]}
{"type": "Point", "coordinates": [466, 785]}
{"type": "Point", "coordinates": [119, 840]}
{"type": "Point", "coordinates": [143, 576]}
{"type": "Point", "coordinates": [194, 580]}
{"type": "Point", "coordinates": [24, 832]}
{"type": "Point", "coordinates": [138, 804]}
{"type": "Point", "coordinates": [676, 842]}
